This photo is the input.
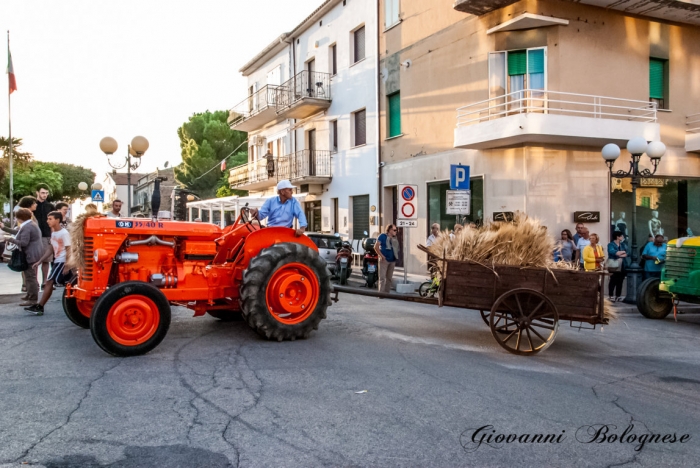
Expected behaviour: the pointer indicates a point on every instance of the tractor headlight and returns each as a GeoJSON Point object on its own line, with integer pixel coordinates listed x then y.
{"type": "Point", "coordinates": [100, 256]}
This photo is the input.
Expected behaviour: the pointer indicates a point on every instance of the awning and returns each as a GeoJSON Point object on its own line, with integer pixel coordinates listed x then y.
{"type": "Point", "coordinates": [235, 202]}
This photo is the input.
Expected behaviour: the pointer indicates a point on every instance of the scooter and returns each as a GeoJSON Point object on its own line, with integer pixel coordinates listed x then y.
{"type": "Point", "coordinates": [370, 262]}
{"type": "Point", "coordinates": [343, 261]}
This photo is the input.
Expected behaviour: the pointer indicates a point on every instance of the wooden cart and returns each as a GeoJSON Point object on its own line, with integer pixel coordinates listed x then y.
{"type": "Point", "coordinates": [522, 306]}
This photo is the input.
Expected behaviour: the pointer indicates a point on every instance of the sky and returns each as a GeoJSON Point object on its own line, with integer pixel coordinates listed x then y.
{"type": "Point", "coordinates": [95, 68]}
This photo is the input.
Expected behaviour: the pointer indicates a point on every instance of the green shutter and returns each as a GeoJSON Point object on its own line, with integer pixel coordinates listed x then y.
{"type": "Point", "coordinates": [656, 78]}
{"type": "Point", "coordinates": [394, 115]}
{"type": "Point", "coordinates": [535, 61]}
{"type": "Point", "coordinates": [517, 62]}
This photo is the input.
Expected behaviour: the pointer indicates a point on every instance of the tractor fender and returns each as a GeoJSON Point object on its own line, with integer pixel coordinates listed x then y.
{"type": "Point", "coordinates": [263, 238]}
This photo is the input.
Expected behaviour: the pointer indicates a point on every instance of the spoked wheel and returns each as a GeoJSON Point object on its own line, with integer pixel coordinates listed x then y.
{"type": "Point", "coordinates": [424, 288]}
{"type": "Point", "coordinates": [130, 319]}
{"type": "Point", "coordinates": [285, 292]}
{"type": "Point", "coordinates": [485, 317]}
{"type": "Point", "coordinates": [530, 319]}
{"type": "Point", "coordinates": [652, 303]}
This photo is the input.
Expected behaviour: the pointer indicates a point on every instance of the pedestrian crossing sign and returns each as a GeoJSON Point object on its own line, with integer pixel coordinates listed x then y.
{"type": "Point", "coordinates": [98, 196]}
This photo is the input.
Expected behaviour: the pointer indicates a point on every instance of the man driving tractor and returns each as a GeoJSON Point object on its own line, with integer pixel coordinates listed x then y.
{"type": "Point", "coordinates": [280, 211]}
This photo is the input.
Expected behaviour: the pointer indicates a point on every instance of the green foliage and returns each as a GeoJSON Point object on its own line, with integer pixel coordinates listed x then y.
{"type": "Point", "coordinates": [72, 176]}
{"type": "Point", "coordinates": [206, 139]}
{"type": "Point", "coordinates": [27, 177]}
{"type": "Point", "coordinates": [17, 152]}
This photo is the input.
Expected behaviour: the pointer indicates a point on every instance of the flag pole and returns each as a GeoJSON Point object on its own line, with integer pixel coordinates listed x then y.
{"type": "Point", "coordinates": [9, 122]}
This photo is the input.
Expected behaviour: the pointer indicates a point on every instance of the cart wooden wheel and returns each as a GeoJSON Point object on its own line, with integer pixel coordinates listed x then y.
{"type": "Point", "coordinates": [485, 317]}
{"type": "Point", "coordinates": [530, 319]}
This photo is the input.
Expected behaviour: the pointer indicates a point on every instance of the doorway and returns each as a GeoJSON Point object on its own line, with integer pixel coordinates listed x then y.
{"type": "Point", "coordinates": [360, 216]}
{"type": "Point", "coordinates": [313, 215]}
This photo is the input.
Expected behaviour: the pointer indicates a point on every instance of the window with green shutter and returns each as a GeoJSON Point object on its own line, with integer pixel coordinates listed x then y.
{"type": "Point", "coordinates": [657, 86]}
{"type": "Point", "coordinates": [394, 114]}
{"type": "Point", "coordinates": [517, 62]}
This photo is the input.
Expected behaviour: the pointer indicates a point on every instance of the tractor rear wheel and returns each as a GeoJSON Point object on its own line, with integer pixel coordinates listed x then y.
{"type": "Point", "coordinates": [78, 311]}
{"type": "Point", "coordinates": [130, 319]}
{"type": "Point", "coordinates": [285, 292]}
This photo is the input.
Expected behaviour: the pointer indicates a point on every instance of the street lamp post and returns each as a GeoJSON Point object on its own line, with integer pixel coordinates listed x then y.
{"type": "Point", "coordinates": [136, 149]}
{"type": "Point", "coordinates": [637, 147]}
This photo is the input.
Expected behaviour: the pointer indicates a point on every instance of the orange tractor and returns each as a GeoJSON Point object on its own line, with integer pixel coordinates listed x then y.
{"type": "Point", "coordinates": [135, 269]}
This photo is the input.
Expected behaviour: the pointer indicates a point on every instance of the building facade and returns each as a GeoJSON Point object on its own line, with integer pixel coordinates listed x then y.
{"type": "Point", "coordinates": [526, 93]}
{"type": "Point", "coordinates": [311, 117]}
{"type": "Point", "coordinates": [143, 191]}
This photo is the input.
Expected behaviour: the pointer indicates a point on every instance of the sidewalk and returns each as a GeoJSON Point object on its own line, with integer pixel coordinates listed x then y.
{"type": "Point", "coordinates": [10, 281]}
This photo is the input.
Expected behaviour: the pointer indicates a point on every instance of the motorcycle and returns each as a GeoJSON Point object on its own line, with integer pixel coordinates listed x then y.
{"type": "Point", "coordinates": [343, 261]}
{"type": "Point", "coordinates": [370, 262]}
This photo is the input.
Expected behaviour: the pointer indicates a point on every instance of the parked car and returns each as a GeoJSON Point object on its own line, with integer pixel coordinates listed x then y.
{"type": "Point", "coordinates": [326, 247]}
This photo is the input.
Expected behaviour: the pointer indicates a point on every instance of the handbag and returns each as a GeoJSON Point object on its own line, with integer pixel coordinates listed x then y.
{"type": "Point", "coordinates": [18, 262]}
{"type": "Point", "coordinates": [613, 265]}
{"type": "Point", "coordinates": [7, 252]}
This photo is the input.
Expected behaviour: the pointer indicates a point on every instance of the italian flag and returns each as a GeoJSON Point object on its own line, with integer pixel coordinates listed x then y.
{"type": "Point", "coordinates": [11, 73]}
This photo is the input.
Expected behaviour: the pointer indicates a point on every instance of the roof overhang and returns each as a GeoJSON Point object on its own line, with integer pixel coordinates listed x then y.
{"type": "Point", "coordinates": [528, 21]}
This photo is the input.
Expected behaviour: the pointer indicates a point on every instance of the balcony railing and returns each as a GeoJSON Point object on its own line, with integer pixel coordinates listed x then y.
{"type": "Point", "coordinates": [304, 164]}
{"type": "Point", "coordinates": [259, 101]}
{"type": "Point", "coordinates": [305, 84]}
{"type": "Point", "coordinates": [692, 123]}
{"type": "Point", "coordinates": [558, 103]}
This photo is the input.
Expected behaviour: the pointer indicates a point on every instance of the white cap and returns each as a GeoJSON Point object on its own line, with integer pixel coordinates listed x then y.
{"type": "Point", "coordinates": [283, 184]}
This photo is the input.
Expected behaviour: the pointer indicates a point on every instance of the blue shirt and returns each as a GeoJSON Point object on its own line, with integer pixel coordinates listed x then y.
{"type": "Point", "coordinates": [383, 240]}
{"type": "Point", "coordinates": [654, 251]}
{"type": "Point", "coordinates": [282, 214]}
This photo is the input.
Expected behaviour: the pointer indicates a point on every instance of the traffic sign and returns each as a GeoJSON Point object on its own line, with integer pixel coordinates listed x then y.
{"type": "Point", "coordinates": [407, 223]}
{"type": "Point", "coordinates": [459, 177]}
{"type": "Point", "coordinates": [458, 202]}
{"type": "Point", "coordinates": [98, 196]}
{"type": "Point", "coordinates": [408, 202]}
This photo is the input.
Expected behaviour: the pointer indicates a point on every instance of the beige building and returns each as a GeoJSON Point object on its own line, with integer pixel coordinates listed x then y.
{"type": "Point", "coordinates": [526, 93]}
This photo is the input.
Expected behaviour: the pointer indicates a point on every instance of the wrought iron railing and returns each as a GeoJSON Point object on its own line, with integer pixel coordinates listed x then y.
{"type": "Point", "coordinates": [555, 102]}
{"type": "Point", "coordinates": [253, 104]}
{"type": "Point", "coordinates": [294, 166]}
{"type": "Point", "coordinates": [304, 84]}
{"type": "Point", "coordinates": [692, 123]}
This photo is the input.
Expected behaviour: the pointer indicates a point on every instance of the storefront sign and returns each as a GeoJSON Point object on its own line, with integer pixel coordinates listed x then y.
{"type": "Point", "coordinates": [506, 216]}
{"type": "Point", "coordinates": [586, 216]}
{"type": "Point", "coordinates": [458, 202]}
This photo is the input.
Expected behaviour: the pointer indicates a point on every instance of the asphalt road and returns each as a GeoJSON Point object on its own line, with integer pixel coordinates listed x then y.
{"type": "Point", "coordinates": [214, 394]}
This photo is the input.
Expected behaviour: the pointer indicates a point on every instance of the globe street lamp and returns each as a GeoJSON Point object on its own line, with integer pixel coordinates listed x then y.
{"type": "Point", "coordinates": [135, 150]}
{"type": "Point", "coordinates": [637, 147]}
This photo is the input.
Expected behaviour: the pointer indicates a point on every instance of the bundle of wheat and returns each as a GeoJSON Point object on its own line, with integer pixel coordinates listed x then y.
{"type": "Point", "coordinates": [77, 238]}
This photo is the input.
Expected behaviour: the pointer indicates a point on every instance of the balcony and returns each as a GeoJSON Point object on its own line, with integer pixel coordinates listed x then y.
{"type": "Point", "coordinates": [692, 133]}
{"type": "Point", "coordinates": [303, 95]}
{"type": "Point", "coordinates": [301, 167]}
{"type": "Point", "coordinates": [534, 116]}
{"type": "Point", "coordinates": [255, 110]}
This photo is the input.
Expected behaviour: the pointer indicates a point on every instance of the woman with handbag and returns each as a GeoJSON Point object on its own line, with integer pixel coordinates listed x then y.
{"type": "Point", "coordinates": [593, 255]}
{"type": "Point", "coordinates": [616, 265]}
{"type": "Point", "coordinates": [28, 239]}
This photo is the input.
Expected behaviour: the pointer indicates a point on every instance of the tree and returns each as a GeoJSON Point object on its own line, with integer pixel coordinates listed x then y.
{"type": "Point", "coordinates": [205, 140]}
{"type": "Point", "coordinates": [27, 177]}
{"type": "Point", "coordinates": [17, 152]}
{"type": "Point", "coordinates": [72, 176]}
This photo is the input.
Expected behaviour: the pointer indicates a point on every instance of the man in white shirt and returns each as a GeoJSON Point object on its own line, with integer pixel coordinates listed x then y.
{"type": "Point", "coordinates": [60, 241]}
{"type": "Point", "coordinates": [434, 234]}
{"type": "Point", "coordinates": [116, 209]}
{"type": "Point", "coordinates": [582, 242]}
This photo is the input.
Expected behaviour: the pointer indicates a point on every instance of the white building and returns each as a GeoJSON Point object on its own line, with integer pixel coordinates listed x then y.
{"type": "Point", "coordinates": [312, 104]}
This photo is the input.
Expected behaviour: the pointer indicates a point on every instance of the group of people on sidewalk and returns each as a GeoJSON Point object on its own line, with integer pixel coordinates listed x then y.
{"type": "Point", "coordinates": [40, 233]}
{"type": "Point", "coordinates": [584, 250]}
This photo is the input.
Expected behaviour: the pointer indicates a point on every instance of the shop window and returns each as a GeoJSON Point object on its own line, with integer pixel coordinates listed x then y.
{"type": "Point", "coordinates": [437, 205]}
{"type": "Point", "coordinates": [394, 114]}
{"type": "Point", "coordinates": [658, 91]}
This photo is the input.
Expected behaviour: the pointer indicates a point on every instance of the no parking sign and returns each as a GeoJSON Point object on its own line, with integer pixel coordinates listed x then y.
{"type": "Point", "coordinates": [408, 205]}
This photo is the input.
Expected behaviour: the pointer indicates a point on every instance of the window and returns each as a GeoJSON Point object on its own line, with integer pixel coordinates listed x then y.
{"type": "Point", "coordinates": [511, 72]}
{"type": "Point", "coordinates": [334, 136]}
{"type": "Point", "coordinates": [394, 114]}
{"type": "Point", "coordinates": [358, 44]}
{"type": "Point", "coordinates": [360, 131]}
{"type": "Point", "coordinates": [391, 13]}
{"type": "Point", "coordinates": [333, 59]}
{"type": "Point", "coordinates": [657, 82]}
{"type": "Point", "coordinates": [437, 205]}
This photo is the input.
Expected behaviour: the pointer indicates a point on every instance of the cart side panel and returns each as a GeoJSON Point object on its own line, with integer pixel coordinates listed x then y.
{"type": "Point", "coordinates": [575, 294]}
{"type": "Point", "coordinates": [468, 285]}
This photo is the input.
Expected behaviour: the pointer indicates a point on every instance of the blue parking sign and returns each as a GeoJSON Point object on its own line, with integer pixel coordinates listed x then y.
{"type": "Point", "coordinates": [459, 177]}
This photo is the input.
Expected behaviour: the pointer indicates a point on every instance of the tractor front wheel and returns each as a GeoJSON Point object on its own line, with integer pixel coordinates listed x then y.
{"type": "Point", "coordinates": [130, 319]}
{"type": "Point", "coordinates": [78, 311]}
{"type": "Point", "coordinates": [652, 303]}
{"type": "Point", "coordinates": [285, 292]}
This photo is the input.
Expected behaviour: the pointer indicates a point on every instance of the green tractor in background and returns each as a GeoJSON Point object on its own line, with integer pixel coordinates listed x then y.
{"type": "Point", "coordinates": [680, 280]}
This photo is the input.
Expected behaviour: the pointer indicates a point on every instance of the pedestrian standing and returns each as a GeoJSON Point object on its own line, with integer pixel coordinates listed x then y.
{"type": "Point", "coordinates": [434, 234]}
{"type": "Point", "coordinates": [642, 262]}
{"type": "Point", "coordinates": [593, 255]}
{"type": "Point", "coordinates": [116, 209]}
{"type": "Point", "coordinates": [63, 208]}
{"type": "Point", "coordinates": [566, 246]}
{"type": "Point", "coordinates": [28, 202]}
{"type": "Point", "coordinates": [582, 242]}
{"type": "Point", "coordinates": [387, 247]}
{"type": "Point", "coordinates": [579, 229]}
{"type": "Point", "coordinates": [28, 239]}
{"type": "Point", "coordinates": [60, 243]}
{"type": "Point", "coordinates": [43, 208]}
{"type": "Point", "coordinates": [455, 232]}
{"type": "Point", "coordinates": [617, 251]}
{"type": "Point", "coordinates": [654, 256]}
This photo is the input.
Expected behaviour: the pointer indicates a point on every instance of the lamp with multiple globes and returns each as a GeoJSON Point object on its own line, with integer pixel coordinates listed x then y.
{"type": "Point", "coordinates": [134, 152]}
